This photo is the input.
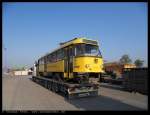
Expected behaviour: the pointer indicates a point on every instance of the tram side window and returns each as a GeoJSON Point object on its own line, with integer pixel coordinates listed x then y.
{"type": "Point", "coordinates": [48, 58]}
{"type": "Point", "coordinates": [70, 54]}
{"type": "Point", "coordinates": [65, 52]}
{"type": "Point", "coordinates": [58, 55]}
{"type": "Point", "coordinates": [39, 62]}
{"type": "Point", "coordinates": [42, 61]}
{"type": "Point", "coordinates": [71, 51]}
{"type": "Point", "coordinates": [62, 53]}
{"type": "Point", "coordinates": [53, 57]}
{"type": "Point", "coordinates": [45, 59]}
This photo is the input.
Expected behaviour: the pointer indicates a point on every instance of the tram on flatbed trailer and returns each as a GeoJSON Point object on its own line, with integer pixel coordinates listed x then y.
{"type": "Point", "coordinates": [74, 68]}
{"type": "Point", "coordinates": [69, 90]}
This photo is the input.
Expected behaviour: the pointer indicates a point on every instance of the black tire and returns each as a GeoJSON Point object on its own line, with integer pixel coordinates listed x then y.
{"type": "Point", "coordinates": [48, 86]}
{"type": "Point", "coordinates": [56, 88]}
{"type": "Point", "coordinates": [67, 95]}
{"type": "Point", "coordinates": [45, 84]}
{"type": "Point", "coordinates": [52, 87]}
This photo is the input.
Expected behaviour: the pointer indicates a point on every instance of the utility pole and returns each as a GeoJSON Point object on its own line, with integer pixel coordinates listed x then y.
{"type": "Point", "coordinates": [5, 59]}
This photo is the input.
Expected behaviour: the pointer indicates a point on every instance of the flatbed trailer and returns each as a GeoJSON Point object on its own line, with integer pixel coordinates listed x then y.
{"type": "Point", "coordinates": [70, 90]}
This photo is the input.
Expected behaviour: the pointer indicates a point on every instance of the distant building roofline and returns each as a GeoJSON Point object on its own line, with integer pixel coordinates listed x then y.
{"type": "Point", "coordinates": [117, 63]}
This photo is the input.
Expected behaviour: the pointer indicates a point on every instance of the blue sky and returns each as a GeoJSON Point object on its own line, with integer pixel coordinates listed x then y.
{"type": "Point", "coordinates": [29, 30]}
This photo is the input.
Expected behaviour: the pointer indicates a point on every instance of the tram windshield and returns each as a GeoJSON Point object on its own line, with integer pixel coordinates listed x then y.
{"type": "Point", "coordinates": [87, 50]}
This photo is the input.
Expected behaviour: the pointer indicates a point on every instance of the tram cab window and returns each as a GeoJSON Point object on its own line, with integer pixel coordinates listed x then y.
{"type": "Point", "coordinates": [87, 50]}
{"type": "Point", "coordinates": [79, 49]}
{"type": "Point", "coordinates": [91, 49]}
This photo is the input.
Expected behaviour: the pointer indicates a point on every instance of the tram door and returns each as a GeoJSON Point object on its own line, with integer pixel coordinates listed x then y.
{"type": "Point", "coordinates": [69, 62]}
{"type": "Point", "coordinates": [45, 66]}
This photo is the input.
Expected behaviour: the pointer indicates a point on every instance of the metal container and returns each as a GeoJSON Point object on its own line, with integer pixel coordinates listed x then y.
{"type": "Point", "coordinates": [136, 79]}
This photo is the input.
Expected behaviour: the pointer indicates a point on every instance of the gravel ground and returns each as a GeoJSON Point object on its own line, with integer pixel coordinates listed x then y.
{"type": "Point", "coordinates": [20, 93]}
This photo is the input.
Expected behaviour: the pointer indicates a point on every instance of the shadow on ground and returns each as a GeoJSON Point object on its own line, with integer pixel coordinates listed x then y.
{"type": "Point", "coordinates": [116, 87]}
{"type": "Point", "coordinates": [101, 103]}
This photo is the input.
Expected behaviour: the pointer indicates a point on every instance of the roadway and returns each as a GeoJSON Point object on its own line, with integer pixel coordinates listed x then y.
{"type": "Point", "coordinates": [21, 93]}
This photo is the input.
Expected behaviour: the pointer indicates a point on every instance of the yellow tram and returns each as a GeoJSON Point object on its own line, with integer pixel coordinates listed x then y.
{"type": "Point", "coordinates": [74, 60]}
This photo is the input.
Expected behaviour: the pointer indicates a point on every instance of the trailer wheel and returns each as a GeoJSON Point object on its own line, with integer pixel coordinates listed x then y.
{"type": "Point", "coordinates": [46, 84]}
{"type": "Point", "coordinates": [52, 87]}
{"type": "Point", "coordinates": [66, 95]}
{"type": "Point", "coordinates": [56, 88]}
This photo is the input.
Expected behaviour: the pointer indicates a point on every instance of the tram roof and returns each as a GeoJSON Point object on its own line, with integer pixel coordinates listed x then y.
{"type": "Point", "coordinates": [73, 41]}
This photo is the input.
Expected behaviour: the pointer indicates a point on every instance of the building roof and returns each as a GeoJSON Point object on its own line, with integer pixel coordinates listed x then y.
{"type": "Point", "coordinates": [117, 63]}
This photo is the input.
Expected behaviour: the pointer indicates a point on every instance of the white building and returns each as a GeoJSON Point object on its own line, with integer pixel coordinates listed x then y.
{"type": "Point", "coordinates": [22, 72]}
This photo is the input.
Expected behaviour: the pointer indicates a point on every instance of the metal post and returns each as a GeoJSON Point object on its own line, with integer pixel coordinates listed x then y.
{"type": "Point", "coordinates": [5, 60]}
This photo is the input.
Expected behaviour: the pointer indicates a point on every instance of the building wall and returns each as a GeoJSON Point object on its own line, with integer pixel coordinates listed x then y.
{"type": "Point", "coordinates": [117, 68]}
{"type": "Point", "coordinates": [129, 66]}
{"type": "Point", "coordinates": [20, 72]}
